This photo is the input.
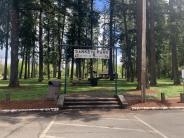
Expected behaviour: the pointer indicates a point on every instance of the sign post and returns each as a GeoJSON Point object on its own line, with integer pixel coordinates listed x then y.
{"type": "Point", "coordinates": [87, 53]}
{"type": "Point", "coordinates": [65, 86]}
{"type": "Point", "coordinates": [182, 72]}
{"type": "Point", "coordinates": [91, 54]}
{"type": "Point", "coordinates": [116, 74]}
{"type": "Point", "coordinates": [96, 54]}
{"type": "Point", "coordinates": [182, 94]}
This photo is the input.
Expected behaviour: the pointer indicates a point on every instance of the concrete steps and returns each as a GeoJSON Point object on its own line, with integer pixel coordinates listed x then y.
{"type": "Point", "coordinates": [91, 103]}
{"type": "Point", "coordinates": [92, 106]}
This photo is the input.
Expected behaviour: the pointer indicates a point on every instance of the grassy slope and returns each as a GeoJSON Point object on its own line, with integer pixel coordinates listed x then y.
{"type": "Point", "coordinates": [31, 89]}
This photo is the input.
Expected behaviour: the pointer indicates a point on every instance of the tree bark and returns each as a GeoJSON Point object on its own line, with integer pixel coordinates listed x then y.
{"type": "Point", "coordinates": [173, 36]}
{"type": "Point", "coordinates": [139, 42]}
{"type": "Point", "coordinates": [72, 69]}
{"type": "Point", "coordinates": [29, 67]}
{"type": "Point", "coordinates": [152, 45]}
{"type": "Point", "coordinates": [33, 64]}
{"type": "Point", "coordinates": [26, 64]}
{"type": "Point", "coordinates": [79, 38]}
{"type": "Point", "coordinates": [111, 40]}
{"type": "Point", "coordinates": [91, 28]}
{"type": "Point", "coordinates": [128, 49]}
{"type": "Point", "coordinates": [48, 71]}
{"type": "Point", "coordinates": [143, 50]}
{"type": "Point", "coordinates": [6, 49]}
{"type": "Point", "coordinates": [54, 70]}
{"type": "Point", "coordinates": [14, 14]}
{"type": "Point", "coordinates": [22, 64]}
{"type": "Point", "coordinates": [60, 39]}
{"type": "Point", "coordinates": [40, 79]}
{"type": "Point", "coordinates": [48, 52]}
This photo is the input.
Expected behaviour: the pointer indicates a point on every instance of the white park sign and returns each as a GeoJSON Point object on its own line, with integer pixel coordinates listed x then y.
{"type": "Point", "coordinates": [89, 54]}
{"type": "Point", "coordinates": [182, 74]}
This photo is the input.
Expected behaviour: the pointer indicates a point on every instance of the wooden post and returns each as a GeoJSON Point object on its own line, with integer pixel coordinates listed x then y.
{"type": "Point", "coordinates": [182, 97]}
{"type": "Point", "coordinates": [143, 51]}
{"type": "Point", "coordinates": [162, 97]}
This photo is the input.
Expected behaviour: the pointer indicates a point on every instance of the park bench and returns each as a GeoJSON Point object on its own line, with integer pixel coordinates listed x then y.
{"type": "Point", "coordinates": [89, 82]}
{"type": "Point", "coordinates": [105, 75]}
{"type": "Point", "coordinates": [80, 83]}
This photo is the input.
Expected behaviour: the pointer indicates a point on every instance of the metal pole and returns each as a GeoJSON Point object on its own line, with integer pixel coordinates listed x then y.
{"type": "Point", "coordinates": [116, 79]}
{"type": "Point", "coordinates": [91, 20]}
{"type": "Point", "coordinates": [182, 76]}
{"type": "Point", "coordinates": [65, 87]}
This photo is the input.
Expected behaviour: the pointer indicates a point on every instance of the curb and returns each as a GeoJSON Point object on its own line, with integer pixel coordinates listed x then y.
{"type": "Point", "coordinates": [156, 108]}
{"type": "Point", "coordinates": [29, 110]}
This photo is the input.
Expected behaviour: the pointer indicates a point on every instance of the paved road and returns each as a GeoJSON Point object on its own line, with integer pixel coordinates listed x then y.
{"type": "Point", "coordinates": [93, 124]}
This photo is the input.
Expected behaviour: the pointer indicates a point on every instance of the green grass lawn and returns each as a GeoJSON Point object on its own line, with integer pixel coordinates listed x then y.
{"type": "Point", "coordinates": [29, 89]}
{"type": "Point", "coordinates": [166, 86]}
{"type": "Point", "coordinates": [32, 89]}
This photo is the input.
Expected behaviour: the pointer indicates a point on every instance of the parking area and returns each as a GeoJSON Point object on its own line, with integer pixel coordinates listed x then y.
{"type": "Point", "coordinates": [93, 124]}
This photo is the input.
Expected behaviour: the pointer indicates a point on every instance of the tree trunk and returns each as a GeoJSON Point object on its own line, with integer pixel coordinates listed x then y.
{"type": "Point", "coordinates": [60, 40]}
{"type": "Point", "coordinates": [26, 64]}
{"type": "Point", "coordinates": [79, 37]}
{"type": "Point", "coordinates": [158, 70]}
{"type": "Point", "coordinates": [122, 71]}
{"type": "Point", "coordinates": [14, 14]}
{"type": "Point", "coordinates": [54, 70]}
{"type": "Point", "coordinates": [68, 69]}
{"type": "Point", "coordinates": [6, 50]}
{"type": "Point", "coordinates": [72, 69]}
{"type": "Point", "coordinates": [83, 68]}
{"type": "Point", "coordinates": [128, 49]}
{"type": "Point", "coordinates": [173, 35]}
{"type": "Point", "coordinates": [143, 50]}
{"type": "Point", "coordinates": [33, 64]}
{"type": "Point", "coordinates": [91, 27]}
{"type": "Point", "coordinates": [40, 79]}
{"type": "Point", "coordinates": [48, 51]}
{"type": "Point", "coordinates": [78, 69]}
{"type": "Point", "coordinates": [48, 71]}
{"type": "Point", "coordinates": [139, 42]}
{"type": "Point", "coordinates": [29, 68]}
{"type": "Point", "coordinates": [152, 45]}
{"type": "Point", "coordinates": [22, 64]}
{"type": "Point", "coordinates": [111, 40]}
